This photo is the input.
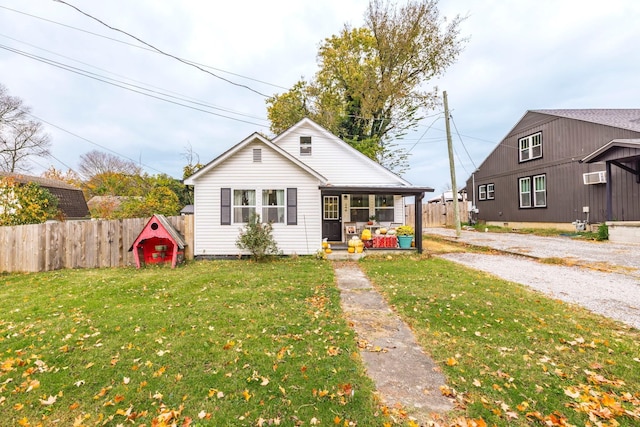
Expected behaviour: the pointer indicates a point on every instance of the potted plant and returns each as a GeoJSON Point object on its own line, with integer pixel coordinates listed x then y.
{"type": "Point", "coordinates": [405, 236]}
{"type": "Point", "coordinates": [372, 218]}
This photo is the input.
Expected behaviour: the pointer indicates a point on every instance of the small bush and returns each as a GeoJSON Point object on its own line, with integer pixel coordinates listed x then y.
{"type": "Point", "coordinates": [257, 238]}
{"type": "Point", "coordinates": [603, 232]}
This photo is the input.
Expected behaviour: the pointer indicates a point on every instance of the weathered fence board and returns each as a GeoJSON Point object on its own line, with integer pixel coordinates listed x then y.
{"type": "Point", "coordinates": [77, 244]}
{"type": "Point", "coordinates": [437, 214]}
{"type": "Point", "coordinates": [102, 243]}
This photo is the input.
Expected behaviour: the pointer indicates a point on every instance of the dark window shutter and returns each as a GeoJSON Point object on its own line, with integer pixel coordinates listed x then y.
{"type": "Point", "coordinates": [292, 206]}
{"type": "Point", "coordinates": [225, 206]}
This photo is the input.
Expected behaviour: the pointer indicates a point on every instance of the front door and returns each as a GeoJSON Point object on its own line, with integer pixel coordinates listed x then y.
{"type": "Point", "coordinates": [331, 218]}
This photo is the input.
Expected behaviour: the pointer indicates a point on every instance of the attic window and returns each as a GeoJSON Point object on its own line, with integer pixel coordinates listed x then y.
{"type": "Point", "coordinates": [305, 145]}
{"type": "Point", "coordinates": [257, 155]}
{"type": "Point", "coordinates": [530, 147]}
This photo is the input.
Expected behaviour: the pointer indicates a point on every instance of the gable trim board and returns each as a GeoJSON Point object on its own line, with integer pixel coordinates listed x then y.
{"type": "Point", "coordinates": [236, 176]}
{"type": "Point", "coordinates": [574, 143]}
{"type": "Point", "coordinates": [610, 151]}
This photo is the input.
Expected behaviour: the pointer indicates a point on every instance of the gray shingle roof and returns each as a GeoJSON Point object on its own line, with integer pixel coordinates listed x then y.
{"type": "Point", "coordinates": [628, 118]}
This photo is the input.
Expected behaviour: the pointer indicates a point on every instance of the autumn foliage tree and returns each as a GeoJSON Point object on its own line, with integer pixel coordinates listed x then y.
{"type": "Point", "coordinates": [25, 203]}
{"type": "Point", "coordinates": [370, 88]}
{"type": "Point", "coordinates": [131, 193]}
{"type": "Point", "coordinates": [160, 200]}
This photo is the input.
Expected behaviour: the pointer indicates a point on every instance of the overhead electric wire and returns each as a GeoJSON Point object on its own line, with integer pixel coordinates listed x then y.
{"type": "Point", "coordinates": [142, 47]}
{"type": "Point", "coordinates": [95, 143]}
{"type": "Point", "coordinates": [63, 164]}
{"type": "Point", "coordinates": [161, 51]}
{"type": "Point", "coordinates": [424, 133]}
{"type": "Point", "coordinates": [123, 85]}
{"type": "Point", "coordinates": [462, 142]}
{"type": "Point", "coordinates": [181, 96]}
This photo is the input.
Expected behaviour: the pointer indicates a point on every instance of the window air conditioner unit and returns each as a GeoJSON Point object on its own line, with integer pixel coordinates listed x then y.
{"type": "Point", "coordinates": [595, 178]}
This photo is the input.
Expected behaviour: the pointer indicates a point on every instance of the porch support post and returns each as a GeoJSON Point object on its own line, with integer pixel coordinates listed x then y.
{"type": "Point", "coordinates": [609, 193]}
{"type": "Point", "coordinates": [418, 221]}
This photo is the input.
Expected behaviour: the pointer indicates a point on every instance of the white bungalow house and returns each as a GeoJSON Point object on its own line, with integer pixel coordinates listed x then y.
{"type": "Point", "coordinates": [306, 181]}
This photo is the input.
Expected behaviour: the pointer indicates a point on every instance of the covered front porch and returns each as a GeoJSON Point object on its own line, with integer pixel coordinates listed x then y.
{"type": "Point", "coordinates": [348, 210]}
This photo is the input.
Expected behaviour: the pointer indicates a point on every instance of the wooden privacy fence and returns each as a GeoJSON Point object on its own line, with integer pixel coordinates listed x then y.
{"type": "Point", "coordinates": [437, 214]}
{"type": "Point", "coordinates": [78, 244]}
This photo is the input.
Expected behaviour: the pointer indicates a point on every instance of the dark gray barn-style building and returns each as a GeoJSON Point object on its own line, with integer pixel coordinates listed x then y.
{"type": "Point", "coordinates": [558, 166]}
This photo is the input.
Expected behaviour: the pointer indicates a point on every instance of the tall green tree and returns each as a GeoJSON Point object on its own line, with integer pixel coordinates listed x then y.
{"type": "Point", "coordinates": [370, 86]}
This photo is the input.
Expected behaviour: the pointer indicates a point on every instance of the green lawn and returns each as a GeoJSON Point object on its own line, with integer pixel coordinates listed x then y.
{"type": "Point", "coordinates": [511, 355]}
{"type": "Point", "coordinates": [238, 343]}
{"type": "Point", "coordinates": [211, 343]}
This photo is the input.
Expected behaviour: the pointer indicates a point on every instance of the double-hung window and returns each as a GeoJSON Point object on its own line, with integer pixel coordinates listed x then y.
{"type": "Point", "coordinates": [273, 206]}
{"type": "Point", "coordinates": [533, 191]}
{"type": "Point", "coordinates": [486, 192]}
{"type": "Point", "coordinates": [491, 191]}
{"type": "Point", "coordinates": [540, 191]}
{"type": "Point", "coordinates": [482, 192]}
{"type": "Point", "coordinates": [359, 207]}
{"type": "Point", "coordinates": [244, 205]}
{"type": "Point", "coordinates": [305, 145]}
{"type": "Point", "coordinates": [525, 192]}
{"type": "Point", "coordinates": [530, 147]}
{"type": "Point", "coordinates": [384, 207]}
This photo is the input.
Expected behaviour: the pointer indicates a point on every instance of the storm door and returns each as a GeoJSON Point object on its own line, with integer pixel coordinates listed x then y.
{"type": "Point", "coordinates": [331, 218]}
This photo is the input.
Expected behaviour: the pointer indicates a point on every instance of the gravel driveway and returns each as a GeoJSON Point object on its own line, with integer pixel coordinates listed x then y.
{"type": "Point", "coordinates": [615, 295]}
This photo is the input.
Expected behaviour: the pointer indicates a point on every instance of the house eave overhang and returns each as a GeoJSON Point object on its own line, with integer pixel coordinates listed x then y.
{"type": "Point", "coordinates": [606, 152]}
{"type": "Point", "coordinates": [376, 189]}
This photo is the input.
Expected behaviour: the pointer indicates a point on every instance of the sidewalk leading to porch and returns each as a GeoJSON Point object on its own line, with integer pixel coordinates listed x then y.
{"type": "Point", "coordinates": [402, 372]}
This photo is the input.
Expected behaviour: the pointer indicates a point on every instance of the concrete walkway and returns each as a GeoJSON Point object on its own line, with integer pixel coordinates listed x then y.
{"type": "Point", "coordinates": [400, 369]}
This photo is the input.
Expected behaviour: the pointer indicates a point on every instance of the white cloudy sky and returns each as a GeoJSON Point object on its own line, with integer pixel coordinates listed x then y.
{"type": "Point", "coordinates": [521, 55]}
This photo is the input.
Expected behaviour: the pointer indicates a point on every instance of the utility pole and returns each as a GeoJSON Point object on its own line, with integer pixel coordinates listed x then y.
{"type": "Point", "coordinates": [452, 168]}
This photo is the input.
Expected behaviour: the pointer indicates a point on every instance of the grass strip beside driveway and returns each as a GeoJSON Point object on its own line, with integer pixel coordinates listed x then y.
{"type": "Point", "coordinates": [511, 355]}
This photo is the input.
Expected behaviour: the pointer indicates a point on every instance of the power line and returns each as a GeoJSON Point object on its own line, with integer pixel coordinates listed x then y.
{"type": "Point", "coordinates": [182, 97]}
{"type": "Point", "coordinates": [423, 134]}
{"type": "Point", "coordinates": [161, 51]}
{"type": "Point", "coordinates": [94, 143]}
{"type": "Point", "coordinates": [142, 47]}
{"type": "Point", "coordinates": [463, 146]}
{"type": "Point", "coordinates": [123, 85]}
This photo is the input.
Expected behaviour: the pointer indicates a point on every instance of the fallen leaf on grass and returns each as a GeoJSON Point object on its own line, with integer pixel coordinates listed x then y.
{"type": "Point", "coordinates": [49, 401]}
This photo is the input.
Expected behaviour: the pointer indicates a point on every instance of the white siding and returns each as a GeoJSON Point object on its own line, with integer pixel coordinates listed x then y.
{"type": "Point", "coordinates": [335, 160]}
{"type": "Point", "coordinates": [398, 209]}
{"type": "Point", "coordinates": [240, 172]}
